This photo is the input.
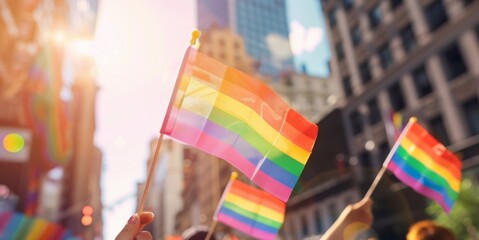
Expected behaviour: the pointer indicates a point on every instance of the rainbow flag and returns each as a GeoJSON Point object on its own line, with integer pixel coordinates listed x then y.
{"type": "Point", "coordinates": [424, 164]}
{"type": "Point", "coordinates": [233, 116]}
{"type": "Point", "coordinates": [18, 226]}
{"type": "Point", "coordinates": [46, 112]}
{"type": "Point", "coordinates": [251, 211]}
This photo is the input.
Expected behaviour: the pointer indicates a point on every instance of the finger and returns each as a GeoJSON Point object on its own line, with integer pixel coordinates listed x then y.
{"type": "Point", "coordinates": [144, 235]}
{"type": "Point", "coordinates": [130, 230]}
{"type": "Point", "coordinates": [146, 217]}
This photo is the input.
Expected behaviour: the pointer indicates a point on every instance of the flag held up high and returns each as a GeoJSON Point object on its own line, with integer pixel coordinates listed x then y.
{"type": "Point", "coordinates": [424, 164]}
{"type": "Point", "coordinates": [231, 115]}
{"type": "Point", "coordinates": [250, 210]}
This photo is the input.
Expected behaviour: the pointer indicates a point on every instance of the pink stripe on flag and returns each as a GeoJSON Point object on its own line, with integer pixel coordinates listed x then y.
{"type": "Point", "coordinates": [271, 185]}
{"type": "Point", "coordinates": [416, 185]}
{"type": "Point", "coordinates": [245, 228]}
{"type": "Point", "coordinates": [4, 219]}
{"type": "Point", "coordinates": [202, 140]}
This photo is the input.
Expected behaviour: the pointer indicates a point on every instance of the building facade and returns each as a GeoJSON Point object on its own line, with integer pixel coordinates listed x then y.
{"type": "Point", "coordinates": [164, 198]}
{"type": "Point", "coordinates": [262, 24]}
{"type": "Point", "coordinates": [312, 97]}
{"type": "Point", "coordinates": [416, 58]}
{"type": "Point", "coordinates": [35, 41]}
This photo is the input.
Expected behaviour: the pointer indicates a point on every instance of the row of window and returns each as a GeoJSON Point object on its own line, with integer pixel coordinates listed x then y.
{"type": "Point", "coordinates": [470, 109]}
{"type": "Point", "coordinates": [435, 14]}
{"type": "Point", "coordinates": [452, 61]}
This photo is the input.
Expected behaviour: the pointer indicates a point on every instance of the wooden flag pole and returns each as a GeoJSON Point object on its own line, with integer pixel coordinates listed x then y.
{"type": "Point", "coordinates": [151, 173]}
{"type": "Point", "coordinates": [211, 230]}
{"type": "Point", "coordinates": [388, 158]}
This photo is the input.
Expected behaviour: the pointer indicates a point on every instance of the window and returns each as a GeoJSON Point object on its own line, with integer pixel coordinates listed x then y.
{"type": "Point", "coordinates": [421, 81]}
{"type": "Point", "coordinates": [348, 4]}
{"type": "Point", "coordinates": [471, 112]}
{"type": "Point", "coordinates": [339, 50]}
{"type": "Point", "coordinates": [374, 112]}
{"type": "Point", "coordinates": [436, 15]}
{"type": "Point", "coordinates": [348, 88]}
{"type": "Point", "coordinates": [395, 3]}
{"type": "Point", "coordinates": [332, 17]}
{"type": "Point", "coordinates": [365, 73]}
{"type": "Point", "coordinates": [438, 130]}
{"type": "Point", "coordinates": [407, 37]}
{"type": "Point", "coordinates": [467, 2]}
{"type": "Point", "coordinates": [356, 122]}
{"type": "Point", "coordinates": [375, 16]}
{"type": "Point", "coordinates": [383, 150]}
{"type": "Point", "coordinates": [304, 226]}
{"type": "Point", "coordinates": [396, 97]}
{"type": "Point", "coordinates": [385, 56]}
{"type": "Point", "coordinates": [356, 35]}
{"type": "Point", "coordinates": [365, 159]}
{"type": "Point", "coordinates": [452, 61]}
{"type": "Point", "coordinates": [317, 222]}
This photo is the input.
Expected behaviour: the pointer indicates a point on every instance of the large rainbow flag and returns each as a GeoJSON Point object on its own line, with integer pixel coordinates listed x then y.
{"type": "Point", "coordinates": [18, 226]}
{"type": "Point", "coordinates": [231, 115]}
{"type": "Point", "coordinates": [251, 210]}
{"type": "Point", "coordinates": [424, 164]}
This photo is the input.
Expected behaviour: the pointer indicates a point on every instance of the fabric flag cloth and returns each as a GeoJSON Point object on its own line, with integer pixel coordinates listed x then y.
{"type": "Point", "coordinates": [46, 112]}
{"type": "Point", "coordinates": [233, 116]}
{"type": "Point", "coordinates": [394, 124]}
{"type": "Point", "coordinates": [18, 226]}
{"type": "Point", "coordinates": [424, 164]}
{"type": "Point", "coordinates": [251, 210]}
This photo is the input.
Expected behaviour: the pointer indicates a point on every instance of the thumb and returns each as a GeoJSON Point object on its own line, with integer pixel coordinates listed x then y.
{"type": "Point", "coordinates": [131, 229]}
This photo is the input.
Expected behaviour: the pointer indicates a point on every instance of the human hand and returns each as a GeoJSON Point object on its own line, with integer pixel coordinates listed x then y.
{"type": "Point", "coordinates": [132, 229]}
{"type": "Point", "coordinates": [359, 212]}
{"type": "Point", "coordinates": [354, 219]}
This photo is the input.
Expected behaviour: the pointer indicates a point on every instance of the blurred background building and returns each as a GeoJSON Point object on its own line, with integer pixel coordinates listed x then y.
{"type": "Point", "coordinates": [263, 26]}
{"type": "Point", "coordinates": [48, 97]}
{"type": "Point", "coordinates": [403, 58]}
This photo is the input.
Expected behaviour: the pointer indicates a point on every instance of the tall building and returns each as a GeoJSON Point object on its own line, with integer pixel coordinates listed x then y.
{"type": "Point", "coordinates": [262, 24]}
{"type": "Point", "coordinates": [312, 97]}
{"type": "Point", "coordinates": [56, 105]}
{"type": "Point", "coordinates": [164, 198]}
{"type": "Point", "coordinates": [416, 58]}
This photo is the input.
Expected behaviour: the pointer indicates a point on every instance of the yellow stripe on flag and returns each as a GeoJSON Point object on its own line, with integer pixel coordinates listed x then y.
{"type": "Point", "coordinates": [254, 207]}
{"type": "Point", "coordinates": [425, 159]}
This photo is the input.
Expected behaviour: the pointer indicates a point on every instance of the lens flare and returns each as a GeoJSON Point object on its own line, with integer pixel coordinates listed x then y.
{"type": "Point", "coordinates": [13, 143]}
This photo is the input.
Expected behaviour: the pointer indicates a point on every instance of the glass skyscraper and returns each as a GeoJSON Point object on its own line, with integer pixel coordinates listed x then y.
{"type": "Point", "coordinates": [262, 24]}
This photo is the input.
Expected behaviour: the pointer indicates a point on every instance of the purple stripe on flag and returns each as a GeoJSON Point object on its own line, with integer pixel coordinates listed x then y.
{"type": "Point", "coordinates": [245, 228]}
{"type": "Point", "coordinates": [416, 185]}
{"type": "Point", "coordinates": [209, 144]}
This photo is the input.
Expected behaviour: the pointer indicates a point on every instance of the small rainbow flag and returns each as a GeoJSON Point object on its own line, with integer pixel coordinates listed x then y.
{"type": "Point", "coordinates": [233, 116]}
{"type": "Point", "coordinates": [18, 226]}
{"type": "Point", "coordinates": [424, 164]}
{"type": "Point", "coordinates": [250, 210]}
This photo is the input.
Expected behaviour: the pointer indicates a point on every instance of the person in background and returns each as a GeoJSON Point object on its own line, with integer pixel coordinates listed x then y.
{"type": "Point", "coordinates": [428, 230]}
{"type": "Point", "coordinates": [355, 219]}
{"type": "Point", "coordinates": [198, 232]}
{"type": "Point", "coordinates": [134, 226]}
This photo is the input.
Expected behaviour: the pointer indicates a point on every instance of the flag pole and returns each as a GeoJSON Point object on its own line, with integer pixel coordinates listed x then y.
{"type": "Point", "coordinates": [233, 176]}
{"type": "Point", "coordinates": [381, 172]}
{"type": "Point", "coordinates": [151, 171]}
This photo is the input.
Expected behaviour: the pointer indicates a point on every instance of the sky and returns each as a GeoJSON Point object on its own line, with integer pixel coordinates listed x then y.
{"type": "Point", "coordinates": [139, 46]}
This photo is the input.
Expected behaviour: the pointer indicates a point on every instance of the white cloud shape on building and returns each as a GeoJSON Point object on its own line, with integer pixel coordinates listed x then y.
{"type": "Point", "coordinates": [304, 39]}
{"type": "Point", "coordinates": [279, 48]}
